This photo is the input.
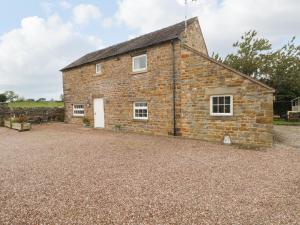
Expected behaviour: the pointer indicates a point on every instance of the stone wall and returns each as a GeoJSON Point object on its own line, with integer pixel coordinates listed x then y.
{"type": "Point", "coordinates": [120, 88]}
{"type": "Point", "coordinates": [293, 116]}
{"type": "Point", "coordinates": [251, 123]}
{"type": "Point", "coordinates": [34, 115]}
{"type": "Point", "coordinates": [4, 111]}
{"type": "Point", "coordinates": [194, 37]}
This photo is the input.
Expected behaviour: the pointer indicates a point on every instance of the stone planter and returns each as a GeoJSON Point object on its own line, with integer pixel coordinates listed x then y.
{"type": "Point", "coordinates": [7, 123]}
{"type": "Point", "coordinates": [21, 126]}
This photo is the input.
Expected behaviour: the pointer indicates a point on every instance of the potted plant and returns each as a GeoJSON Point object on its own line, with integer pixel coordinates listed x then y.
{"type": "Point", "coordinates": [86, 122]}
{"type": "Point", "coordinates": [20, 123]}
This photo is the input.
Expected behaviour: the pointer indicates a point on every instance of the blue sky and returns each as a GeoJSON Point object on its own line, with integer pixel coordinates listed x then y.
{"type": "Point", "coordinates": [39, 37]}
{"type": "Point", "coordinates": [12, 12]}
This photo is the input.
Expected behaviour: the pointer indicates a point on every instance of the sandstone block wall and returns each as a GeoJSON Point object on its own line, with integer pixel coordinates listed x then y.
{"type": "Point", "coordinates": [251, 123]}
{"type": "Point", "coordinates": [120, 88]}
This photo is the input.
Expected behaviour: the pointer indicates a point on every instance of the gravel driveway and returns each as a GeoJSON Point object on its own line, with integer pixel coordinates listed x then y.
{"type": "Point", "coordinates": [289, 135]}
{"type": "Point", "coordinates": [66, 174]}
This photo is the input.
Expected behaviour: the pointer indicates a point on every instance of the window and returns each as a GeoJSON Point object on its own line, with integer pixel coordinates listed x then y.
{"type": "Point", "coordinates": [140, 110]}
{"type": "Point", "coordinates": [139, 63]}
{"type": "Point", "coordinates": [98, 68]}
{"type": "Point", "coordinates": [221, 105]}
{"type": "Point", "coordinates": [78, 110]}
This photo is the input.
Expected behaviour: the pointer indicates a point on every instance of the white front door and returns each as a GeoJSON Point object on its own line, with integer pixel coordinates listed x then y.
{"type": "Point", "coordinates": [98, 113]}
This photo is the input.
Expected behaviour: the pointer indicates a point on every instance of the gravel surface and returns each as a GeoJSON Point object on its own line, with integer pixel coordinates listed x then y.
{"type": "Point", "coordinates": [289, 135]}
{"type": "Point", "coordinates": [66, 174]}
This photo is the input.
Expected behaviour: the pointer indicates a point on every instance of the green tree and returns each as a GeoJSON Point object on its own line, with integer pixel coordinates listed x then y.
{"type": "Point", "coordinates": [279, 69]}
{"type": "Point", "coordinates": [3, 98]}
{"type": "Point", "coordinates": [11, 96]}
{"type": "Point", "coordinates": [284, 71]}
{"type": "Point", "coordinates": [251, 56]}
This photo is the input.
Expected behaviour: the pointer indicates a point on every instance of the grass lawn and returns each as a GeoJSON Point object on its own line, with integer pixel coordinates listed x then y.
{"type": "Point", "coordinates": [35, 104]}
{"type": "Point", "coordinates": [286, 123]}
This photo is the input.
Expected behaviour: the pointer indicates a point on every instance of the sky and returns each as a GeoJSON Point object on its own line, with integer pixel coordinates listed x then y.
{"type": "Point", "coordinates": [39, 37]}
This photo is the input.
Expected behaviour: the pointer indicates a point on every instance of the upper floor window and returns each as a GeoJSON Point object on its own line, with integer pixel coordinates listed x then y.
{"type": "Point", "coordinates": [139, 63]}
{"type": "Point", "coordinates": [140, 110]}
{"type": "Point", "coordinates": [221, 105]}
{"type": "Point", "coordinates": [98, 68]}
{"type": "Point", "coordinates": [78, 110]}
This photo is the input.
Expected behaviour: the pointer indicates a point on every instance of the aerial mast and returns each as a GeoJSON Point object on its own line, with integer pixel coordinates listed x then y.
{"type": "Point", "coordinates": [186, 13]}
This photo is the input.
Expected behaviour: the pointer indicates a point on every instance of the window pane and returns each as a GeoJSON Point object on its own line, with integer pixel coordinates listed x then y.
{"type": "Point", "coordinates": [140, 110]}
{"type": "Point", "coordinates": [221, 108]}
{"type": "Point", "coordinates": [98, 68]}
{"type": "Point", "coordinates": [140, 63]}
{"type": "Point", "coordinates": [215, 100]}
{"type": "Point", "coordinates": [227, 108]}
{"type": "Point", "coordinates": [221, 100]}
{"type": "Point", "coordinates": [215, 109]}
{"type": "Point", "coordinates": [227, 100]}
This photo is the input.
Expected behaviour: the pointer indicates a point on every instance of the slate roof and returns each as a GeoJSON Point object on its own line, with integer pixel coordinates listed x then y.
{"type": "Point", "coordinates": [153, 38]}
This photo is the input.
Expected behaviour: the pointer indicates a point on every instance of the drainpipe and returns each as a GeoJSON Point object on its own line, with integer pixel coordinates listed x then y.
{"type": "Point", "coordinates": [174, 87]}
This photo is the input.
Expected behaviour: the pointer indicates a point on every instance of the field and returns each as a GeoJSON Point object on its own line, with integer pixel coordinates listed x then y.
{"type": "Point", "coordinates": [29, 104]}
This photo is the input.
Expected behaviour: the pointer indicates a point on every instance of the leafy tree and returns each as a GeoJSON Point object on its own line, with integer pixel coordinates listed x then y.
{"type": "Point", "coordinates": [251, 56]}
{"type": "Point", "coordinates": [279, 69]}
{"type": "Point", "coordinates": [41, 100]}
{"type": "Point", "coordinates": [3, 98]}
{"type": "Point", "coordinates": [284, 72]}
{"type": "Point", "coordinates": [11, 96]}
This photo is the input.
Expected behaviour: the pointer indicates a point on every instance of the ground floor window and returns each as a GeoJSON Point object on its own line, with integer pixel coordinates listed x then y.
{"type": "Point", "coordinates": [140, 110]}
{"type": "Point", "coordinates": [221, 105]}
{"type": "Point", "coordinates": [78, 110]}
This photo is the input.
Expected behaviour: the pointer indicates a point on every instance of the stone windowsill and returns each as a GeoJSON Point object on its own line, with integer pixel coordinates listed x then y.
{"type": "Point", "coordinates": [78, 117]}
{"type": "Point", "coordinates": [140, 120]}
{"type": "Point", "coordinates": [232, 118]}
{"type": "Point", "coordinates": [139, 72]}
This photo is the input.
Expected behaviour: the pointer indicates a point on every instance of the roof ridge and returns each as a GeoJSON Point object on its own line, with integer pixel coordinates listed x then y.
{"type": "Point", "coordinates": [143, 35]}
{"type": "Point", "coordinates": [155, 37]}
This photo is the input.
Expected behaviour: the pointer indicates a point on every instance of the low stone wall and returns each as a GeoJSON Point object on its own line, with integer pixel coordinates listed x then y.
{"type": "Point", "coordinates": [34, 115]}
{"type": "Point", "coordinates": [4, 111]}
{"type": "Point", "coordinates": [293, 116]}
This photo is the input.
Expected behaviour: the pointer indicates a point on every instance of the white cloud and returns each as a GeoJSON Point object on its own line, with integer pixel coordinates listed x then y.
{"type": "Point", "coordinates": [65, 4]}
{"type": "Point", "coordinates": [149, 15]}
{"type": "Point", "coordinates": [222, 22]}
{"type": "Point", "coordinates": [32, 55]}
{"type": "Point", "coordinates": [85, 13]}
{"type": "Point", "coordinates": [107, 22]}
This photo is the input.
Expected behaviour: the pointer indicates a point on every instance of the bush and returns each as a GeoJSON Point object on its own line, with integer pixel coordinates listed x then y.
{"type": "Point", "coordinates": [19, 119]}
{"type": "Point", "coordinates": [3, 98]}
{"type": "Point", "coordinates": [86, 121]}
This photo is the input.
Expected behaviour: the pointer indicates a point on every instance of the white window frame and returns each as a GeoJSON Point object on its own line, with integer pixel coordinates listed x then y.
{"type": "Point", "coordinates": [78, 109]}
{"type": "Point", "coordinates": [141, 69]}
{"type": "Point", "coordinates": [97, 68]}
{"type": "Point", "coordinates": [221, 114]}
{"type": "Point", "coordinates": [141, 108]}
